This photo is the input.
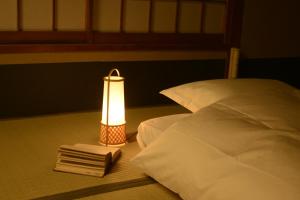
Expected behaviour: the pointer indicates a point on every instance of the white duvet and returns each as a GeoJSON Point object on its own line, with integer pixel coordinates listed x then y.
{"type": "Point", "coordinates": [151, 129]}
{"type": "Point", "coordinates": [240, 148]}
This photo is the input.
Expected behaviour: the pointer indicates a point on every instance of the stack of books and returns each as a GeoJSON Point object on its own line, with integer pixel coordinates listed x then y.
{"type": "Point", "coordinates": [86, 159]}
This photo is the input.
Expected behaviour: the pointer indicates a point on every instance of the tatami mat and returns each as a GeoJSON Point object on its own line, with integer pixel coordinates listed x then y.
{"type": "Point", "coordinates": [29, 146]}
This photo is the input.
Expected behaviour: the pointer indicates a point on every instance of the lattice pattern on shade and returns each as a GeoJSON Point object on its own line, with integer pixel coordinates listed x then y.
{"type": "Point", "coordinates": [113, 134]}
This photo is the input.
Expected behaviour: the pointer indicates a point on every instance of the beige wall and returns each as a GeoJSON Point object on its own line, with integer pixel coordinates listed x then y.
{"type": "Point", "coordinates": [271, 29]}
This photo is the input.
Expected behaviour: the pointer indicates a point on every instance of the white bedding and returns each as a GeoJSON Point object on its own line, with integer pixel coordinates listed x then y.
{"type": "Point", "coordinates": [198, 94]}
{"type": "Point", "coordinates": [241, 147]}
{"type": "Point", "coordinates": [150, 129]}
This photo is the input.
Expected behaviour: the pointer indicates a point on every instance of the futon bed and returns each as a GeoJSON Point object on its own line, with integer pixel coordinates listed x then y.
{"type": "Point", "coordinates": [241, 141]}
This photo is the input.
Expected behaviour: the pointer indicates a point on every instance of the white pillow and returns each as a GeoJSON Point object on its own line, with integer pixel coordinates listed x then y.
{"type": "Point", "coordinates": [219, 153]}
{"type": "Point", "coordinates": [197, 95]}
{"type": "Point", "coordinates": [150, 129]}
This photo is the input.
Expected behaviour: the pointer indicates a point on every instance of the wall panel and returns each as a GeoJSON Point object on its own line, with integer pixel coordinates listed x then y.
{"type": "Point", "coordinates": [214, 18]}
{"type": "Point", "coordinates": [8, 15]}
{"type": "Point", "coordinates": [71, 15]}
{"type": "Point", "coordinates": [190, 17]}
{"type": "Point", "coordinates": [102, 25]}
{"type": "Point", "coordinates": [107, 15]}
{"type": "Point", "coordinates": [136, 16]}
{"type": "Point", "coordinates": [164, 16]}
{"type": "Point", "coordinates": [37, 15]}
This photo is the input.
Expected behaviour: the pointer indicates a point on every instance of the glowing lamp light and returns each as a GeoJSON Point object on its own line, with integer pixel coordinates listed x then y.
{"type": "Point", "coordinates": [112, 128]}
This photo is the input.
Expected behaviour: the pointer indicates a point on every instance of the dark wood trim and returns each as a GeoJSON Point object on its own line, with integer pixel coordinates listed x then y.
{"type": "Point", "coordinates": [54, 15]}
{"type": "Point", "coordinates": [34, 48]}
{"type": "Point", "coordinates": [227, 62]}
{"type": "Point", "coordinates": [134, 41]}
{"type": "Point", "coordinates": [122, 15]}
{"type": "Point", "coordinates": [234, 20]}
{"type": "Point", "coordinates": [89, 20]}
{"type": "Point", "coordinates": [223, 25]}
{"type": "Point", "coordinates": [203, 14]}
{"type": "Point", "coordinates": [89, 15]}
{"type": "Point", "coordinates": [19, 15]}
{"type": "Point", "coordinates": [162, 40]}
{"type": "Point", "coordinates": [177, 16]}
{"type": "Point", "coordinates": [150, 21]}
{"type": "Point", "coordinates": [211, 1]}
{"type": "Point", "coordinates": [233, 27]}
{"type": "Point", "coordinates": [25, 37]}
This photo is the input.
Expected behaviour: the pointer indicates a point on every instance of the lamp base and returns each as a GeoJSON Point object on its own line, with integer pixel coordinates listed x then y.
{"type": "Point", "coordinates": [112, 135]}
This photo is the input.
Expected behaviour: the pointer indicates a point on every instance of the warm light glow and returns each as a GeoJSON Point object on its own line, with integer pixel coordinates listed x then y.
{"type": "Point", "coordinates": [116, 109]}
{"type": "Point", "coordinates": [112, 127]}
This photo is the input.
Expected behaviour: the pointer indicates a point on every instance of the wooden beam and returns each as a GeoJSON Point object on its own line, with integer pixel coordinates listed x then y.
{"type": "Point", "coordinates": [54, 15]}
{"type": "Point", "coordinates": [234, 20]}
{"type": "Point", "coordinates": [27, 37]}
{"type": "Point", "coordinates": [150, 21]}
{"type": "Point", "coordinates": [76, 41]}
{"type": "Point", "coordinates": [203, 15]}
{"type": "Point", "coordinates": [122, 15]}
{"type": "Point", "coordinates": [19, 15]}
{"type": "Point", "coordinates": [177, 16]}
{"type": "Point", "coordinates": [233, 28]}
{"type": "Point", "coordinates": [89, 7]}
{"type": "Point", "coordinates": [89, 15]}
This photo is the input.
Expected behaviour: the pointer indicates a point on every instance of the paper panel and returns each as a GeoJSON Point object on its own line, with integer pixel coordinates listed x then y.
{"type": "Point", "coordinates": [37, 15]}
{"type": "Point", "coordinates": [214, 18]}
{"type": "Point", "coordinates": [107, 15]}
{"type": "Point", "coordinates": [137, 16]}
{"type": "Point", "coordinates": [190, 17]}
{"type": "Point", "coordinates": [164, 16]}
{"type": "Point", "coordinates": [8, 15]}
{"type": "Point", "coordinates": [71, 15]}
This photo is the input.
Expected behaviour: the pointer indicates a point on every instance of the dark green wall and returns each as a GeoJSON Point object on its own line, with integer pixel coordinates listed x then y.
{"type": "Point", "coordinates": [34, 89]}
{"type": "Point", "coordinates": [38, 89]}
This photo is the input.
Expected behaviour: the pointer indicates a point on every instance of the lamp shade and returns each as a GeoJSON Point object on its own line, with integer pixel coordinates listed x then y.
{"type": "Point", "coordinates": [113, 110]}
{"type": "Point", "coordinates": [114, 104]}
